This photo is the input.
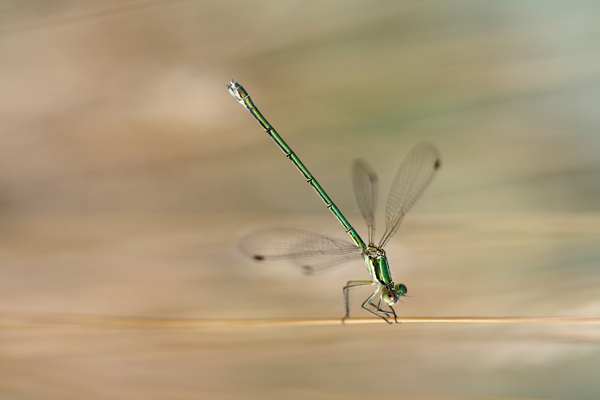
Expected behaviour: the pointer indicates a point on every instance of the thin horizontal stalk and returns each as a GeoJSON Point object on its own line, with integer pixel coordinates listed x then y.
{"type": "Point", "coordinates": [31, 320]}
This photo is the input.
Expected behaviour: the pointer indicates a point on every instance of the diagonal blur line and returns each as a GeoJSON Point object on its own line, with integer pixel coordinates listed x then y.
{"type": "Point", "coordinates": [59, 20]}
{"type": "Point", "coordinates": [32, 320]}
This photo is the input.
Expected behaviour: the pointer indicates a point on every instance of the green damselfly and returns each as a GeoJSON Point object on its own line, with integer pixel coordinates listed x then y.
{"type": "Point", "coordinates": [314, 252]}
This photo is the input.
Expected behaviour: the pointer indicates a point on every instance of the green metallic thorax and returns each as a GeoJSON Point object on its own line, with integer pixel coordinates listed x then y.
{"type": "Point", "coordinates": [377, 264]}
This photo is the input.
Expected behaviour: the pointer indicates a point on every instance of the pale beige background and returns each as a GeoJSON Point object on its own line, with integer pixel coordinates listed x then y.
{"type": "Point", "coordinates": [128, 175]}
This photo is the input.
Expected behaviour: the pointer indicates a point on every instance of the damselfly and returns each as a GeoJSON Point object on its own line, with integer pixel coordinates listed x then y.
{"type": "Point", "coordinates": [314, 252]}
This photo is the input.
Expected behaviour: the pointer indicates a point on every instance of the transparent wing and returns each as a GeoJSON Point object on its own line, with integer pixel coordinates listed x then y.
{"type": "Point", "coordinates": [310, 250]}
{"type": "Point", "coordinates": [412, 178]}
{"type": "Point", "coordinates": [311, 265]}
{"type": "Point", "coordinates": [365, 190]}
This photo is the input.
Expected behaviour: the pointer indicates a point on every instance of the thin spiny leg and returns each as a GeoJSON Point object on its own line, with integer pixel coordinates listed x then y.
{"type": "Point", "coordinates": [350, 285]}
{"type": "Point", "coordinates": [393, 312]}
{"type": "Point", "coordinates": [368, 301]}
{"type": "Point", "coordinates": [378, 308]}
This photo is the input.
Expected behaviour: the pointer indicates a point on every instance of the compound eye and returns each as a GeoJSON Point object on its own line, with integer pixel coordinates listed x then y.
{"type": "Point", "coordinates": [401, 289]}
{"type": "Point", "coordinates": [390, 297]}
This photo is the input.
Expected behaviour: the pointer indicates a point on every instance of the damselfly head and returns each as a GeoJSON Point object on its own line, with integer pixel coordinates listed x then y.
{"type": "Point", "coordinates": [391, 295]}
{"type": "Point", "coordinates": [401, 289]}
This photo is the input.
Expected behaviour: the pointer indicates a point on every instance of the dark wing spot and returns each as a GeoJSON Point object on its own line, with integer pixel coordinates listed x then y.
{"type": "Point", "coordinates": [307, 269]}
{"type": "Point", "coordinates": [437, 164]}
{"type": "Point", "coordinates": [258, 258]}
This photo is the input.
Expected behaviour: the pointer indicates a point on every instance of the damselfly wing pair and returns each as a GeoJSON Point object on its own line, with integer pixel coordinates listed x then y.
{"type": "Point", "coordinates": [314, 252]}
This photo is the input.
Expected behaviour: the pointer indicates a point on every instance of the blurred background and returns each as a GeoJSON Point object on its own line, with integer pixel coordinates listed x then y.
{"type": "Point", "coordinates": [128, 175]}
